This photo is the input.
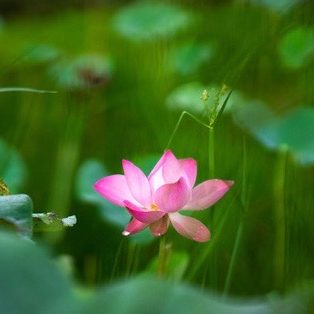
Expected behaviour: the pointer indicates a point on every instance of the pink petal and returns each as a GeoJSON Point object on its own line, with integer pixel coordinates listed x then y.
{"type": "Point", "coordinates": [189, 227]}
{"type": "Point", "coordinates": [159, 163]}
{"type": "Point", "coordinates": [134, 226]}
{"type": "Point", "coordinates": [156, 177]}
{"type": "Point", "coordinates": [137, 182]}
{"type": "Point", "coordinates": [115, 189]}
{"type": "Point", "coordinates": [189, 170]}
{"type": "Point", "coordinates": [208, 193]}
{"type": "Point", "coordinates": [171, 168]}
{"type": "Point", "coordinates": [172, 197]}
{"type": "Point", "coordinates": [160, 227]}
{"type": "Point", "coordinates": [142, 215]}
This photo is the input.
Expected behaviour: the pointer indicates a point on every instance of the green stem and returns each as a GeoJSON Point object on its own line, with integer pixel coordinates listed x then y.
{"type": "Point", "coordinates": [116, 260]}
{"type": "Point", "coordinates": [208, 249]}
{"type": "Point", "coordinates": [213, 270]}
{"type": "Point", "coordinates": [164, 251]}
{"type": "Point", "coordinates": [130, 258]}
{"type": "Point", "coordinates": [233, 258]}
{"type": "Point", "coordinates": [244, 203]}
{"type": "Point", "coordinates": [211, 152]}
{"type": "Point", "coordinates": [280, 224]}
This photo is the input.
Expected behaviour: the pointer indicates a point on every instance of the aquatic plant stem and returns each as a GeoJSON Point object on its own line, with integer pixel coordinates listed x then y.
{"type": "Point", "coordinates": [244, 203]}
{"type": "Point", "coordinates": [197, 263]}
{"type": "Point", "coordinates": [233, 258]}
{"type": "Point", "coordinates": [213, 273]}
{"type": "Point", "coordinates": [164, 252]}
{"type": "Point", "coordinates": [280, 223]}
{"type": "Point", "coordinates": [211, 152]}
{"type": "Point", "coordinates": [116, 260]}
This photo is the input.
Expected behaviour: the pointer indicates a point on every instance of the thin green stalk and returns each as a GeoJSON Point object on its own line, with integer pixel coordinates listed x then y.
{"type": "Point", "coordinates": [164, 251]}
{"type": "Point", "coordinates": [244, 203]}
{"type": "Point", "coordinates": [179, 122]}
{"type": "Point", "coordinates": [90, 269]}
{"type": "Point", "coordinates": [208, 249]}
{"type": "Point", "coordinates": [66, 162]}
{"type": "Point", "coordinates": [130, 259]}
{"type": "Point", "coordinates": [211, 152]}
{"type": "Point", "coordinates": [136, 258]}
{"type": "Point", "coordinates": [233, 258]}
{"type": "Point", "coordinates": [213, 273]}
{"type": "Point", "coordinates": [25, 90]}
{"type": "Point", "coordinates": [280, 223]}
{"type": "Point", "coordinates": [116, 260]}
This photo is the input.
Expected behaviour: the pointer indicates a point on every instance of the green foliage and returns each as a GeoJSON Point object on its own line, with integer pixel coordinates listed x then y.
{"type": "Point", "coordinates": [252, 115]}
{"type": "Point", "coordinates": [26, 271]}
{"type": "Point", "coordinates": [296, 48]}
{"type": "Point", "coordinates": [89, 172]}
{"type": "Point", "coordinates": [17, 210]}
{"type": "Point", "coordinates": [149, 21]}
{"type": "Point", "coordinates": [151, 295]}
{"type": "Point", "coordinates": [30, 282]}
{"type": "Point", "coordinates": [190, 57]}
{"type": "Point", "coordinates": [39, 54]}
{"type": "Point", "coordinates": [294, 131]}
{"type": "Point", "coordinates": [82, 72]}
{"type": "Point", "coordinates": [189, 97]}
{"type": "Point", "coordinates": [278, 5]}
{"type": "Point", "coordinates": [1, 24]}
{"type": "Point", "coordinates": [12, 168]}
{"type": "Point", "coordinates": [129, 118]}
{"type": "Point", "coordinates": [176, 265]}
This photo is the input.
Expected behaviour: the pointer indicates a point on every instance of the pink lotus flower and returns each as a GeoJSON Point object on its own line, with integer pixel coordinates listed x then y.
{"type": "Point", "coordinates": [156, 200]}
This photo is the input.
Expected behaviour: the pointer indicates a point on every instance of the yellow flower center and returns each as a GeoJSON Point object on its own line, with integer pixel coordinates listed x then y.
{"type": "Point", "coordinates": [154, 207]}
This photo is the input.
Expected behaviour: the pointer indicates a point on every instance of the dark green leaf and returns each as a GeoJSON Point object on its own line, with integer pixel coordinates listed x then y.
{"type": "Point", "coordinates": [30, 282]}
{"type": "Point", "coordinates": [17, 210]}
{"type": "Point", "coordinates": [149, 295]}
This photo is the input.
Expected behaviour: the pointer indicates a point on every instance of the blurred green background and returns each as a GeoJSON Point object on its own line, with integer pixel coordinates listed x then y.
{"type": "Point", "coordinates": [124, 71]}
